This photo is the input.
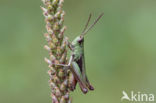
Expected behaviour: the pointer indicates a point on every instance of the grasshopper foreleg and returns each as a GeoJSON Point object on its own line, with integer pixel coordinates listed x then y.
{"type": "Point", "coordinates": [70, 60]}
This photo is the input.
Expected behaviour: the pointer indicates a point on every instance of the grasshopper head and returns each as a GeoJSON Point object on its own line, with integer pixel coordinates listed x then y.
{"type": "Point", "coordinates": [78, 41]}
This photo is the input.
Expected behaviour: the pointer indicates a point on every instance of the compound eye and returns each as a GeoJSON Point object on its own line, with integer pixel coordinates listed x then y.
{"type": "Point", "coordinates": [80, 41]}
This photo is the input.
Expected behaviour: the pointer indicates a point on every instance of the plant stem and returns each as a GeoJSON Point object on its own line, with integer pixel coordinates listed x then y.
{"type": "Point", "coordinates": [57, 43]}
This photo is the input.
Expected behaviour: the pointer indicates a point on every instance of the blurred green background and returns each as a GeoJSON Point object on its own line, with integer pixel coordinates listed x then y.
{"type": "Point", "coordinates": [120, 50]}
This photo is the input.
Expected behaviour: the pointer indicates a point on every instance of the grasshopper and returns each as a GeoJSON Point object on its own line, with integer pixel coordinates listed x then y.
{"type": "Point", "coordinates": [77, 59]}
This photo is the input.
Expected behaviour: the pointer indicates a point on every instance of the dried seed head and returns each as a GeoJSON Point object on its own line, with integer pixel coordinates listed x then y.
{"type": "Point", "coordinates": [46, 2]}
{"type": "Point", "coordinates": [62, 100]}
{"type": "Point", "coordinates": [55, 40]}
{"type": "Point", "coordinates": [55, 100]}
{"type": "Point", "coordinates": [66, 96]}
{"type": "Point", "coordinates": [59, 51]}
{"type": "Point", "coordinates": [48, 61]}
{"type": "Point", "coordinates": [63, 46]}
{"type": "Point", "coordinates": [54, 18]}
{"type": "Point", "coordinates": [57, 62]}
{"type": "Point", "coordinates": [52, 84]}
{"type": "Point", "coordinates": [52, 45]}
{"type": "Point", "coordinates": [61, 3]}
{"type": "Point", "coordinates": [56, 79]}
{"type": "Point", "coordinates": [47, 48]}
{"type": "Point", "coordinates": [56, 26]}
{"type": "Point", "coordinates": [45, 11]}
{"type": "Point", "coordinates": [61, 22]}
{"type": "Point", "coordinates": [50, 31]}
{"type": "Point", "coordinates": [52, 58]}
{"type": "Point", "coordinates": [62, 32]}
{"type": "Point", "coordinates": [58, 14]}
{"type": "Point", "coordinates": [62, 14]}
{"type": "Point", "coordinates": [50, 18]}
{"type": "Point", "coordinates": [50, 8]}
{"type": "Point", "coordinates": [55, 2]}
{"type": "Point", "coordinates": [63, 85]}
{"type": "Point", "coordinates": [51, 72]}
{"type": "Point", "coordinates": [48, 24]}
{"type": "Point", "coordinates": [63, 58]}
{"type": "Point", "coordinates": [46, 35]}
{"type": "Point", "coordinates": [61, 73]}
{"type": "Point", "coordinates": [57, 93]}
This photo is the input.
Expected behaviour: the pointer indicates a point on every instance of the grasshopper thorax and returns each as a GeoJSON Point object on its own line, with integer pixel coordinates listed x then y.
{"type": "Point", "coordinates": [77, 47]}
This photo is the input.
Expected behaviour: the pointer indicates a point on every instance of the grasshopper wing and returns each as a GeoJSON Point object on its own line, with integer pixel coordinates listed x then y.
{"type": "Point", "coordinates": [81, 64]}
{"type": "Point", "coordinates": [77, 74]}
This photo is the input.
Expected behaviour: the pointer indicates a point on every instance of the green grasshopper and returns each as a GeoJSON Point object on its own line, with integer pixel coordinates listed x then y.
{"type": "Point", "coordinates": [77, 59]}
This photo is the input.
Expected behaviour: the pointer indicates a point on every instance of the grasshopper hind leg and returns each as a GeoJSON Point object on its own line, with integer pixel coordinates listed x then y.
{"type": "Point", "coordinates": [88, 84]}
{"type": "Point", "coordinates": [77, 74]}
{"type": "Point", "coordinates": [83, 88]}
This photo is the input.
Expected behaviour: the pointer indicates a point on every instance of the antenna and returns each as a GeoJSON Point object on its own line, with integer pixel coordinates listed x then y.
{"type": "Point", "coordinates": [90, 15]}
{"type": "Point", "coordinates": [83, 33]}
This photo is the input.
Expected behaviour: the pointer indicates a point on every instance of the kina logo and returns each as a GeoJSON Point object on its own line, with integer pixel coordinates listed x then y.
{"type": "Point", "coordinates": [137, 97]}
